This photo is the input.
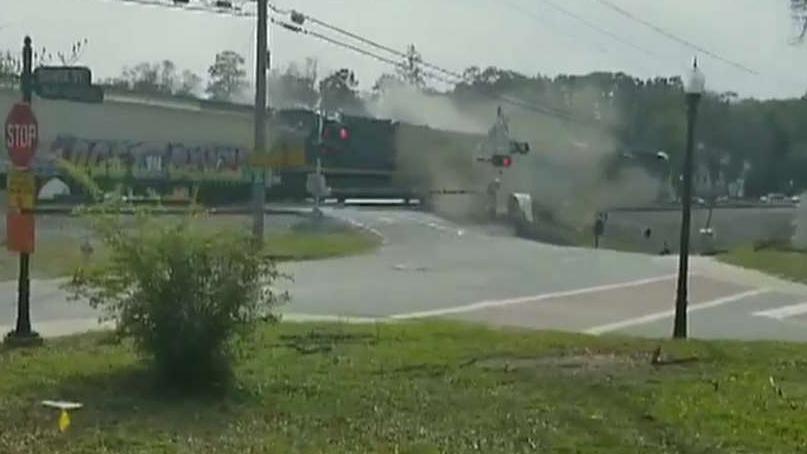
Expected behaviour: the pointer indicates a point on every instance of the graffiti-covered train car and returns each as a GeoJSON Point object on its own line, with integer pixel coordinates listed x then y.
{"type": "Point", "coordinates": [361, 159]}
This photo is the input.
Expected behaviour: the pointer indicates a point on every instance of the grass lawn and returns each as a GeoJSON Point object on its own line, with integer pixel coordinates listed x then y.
{"type": "Point", "coordinates": [787, 264]}
{"type": "Point", "coordinates": [418, 388]}
{"type": "Point", "coordinates": [56, 257]}
{"type": "Point", "coordinates": [311, 246]}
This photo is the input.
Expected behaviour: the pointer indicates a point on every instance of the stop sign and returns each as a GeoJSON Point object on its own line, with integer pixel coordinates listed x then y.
{"type": "Point", "coordinates": [22, 134]}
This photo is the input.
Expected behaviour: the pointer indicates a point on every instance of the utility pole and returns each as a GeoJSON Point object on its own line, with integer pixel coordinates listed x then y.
{"type": "Point", "coordinates": [259, 177]}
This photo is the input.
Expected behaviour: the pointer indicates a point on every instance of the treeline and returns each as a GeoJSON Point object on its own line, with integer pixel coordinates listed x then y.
{"type": "Point", "coordinates": [763, 143]}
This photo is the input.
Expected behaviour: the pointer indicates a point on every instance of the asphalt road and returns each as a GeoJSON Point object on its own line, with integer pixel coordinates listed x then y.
{"type": "Point", "coordinates": [430, 267]}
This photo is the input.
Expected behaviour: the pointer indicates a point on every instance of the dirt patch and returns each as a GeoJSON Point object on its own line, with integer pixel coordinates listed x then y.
{"type": "Point", "coordinates": [573, 363]}
{"type": "Point", "coordinates": [317, 342]}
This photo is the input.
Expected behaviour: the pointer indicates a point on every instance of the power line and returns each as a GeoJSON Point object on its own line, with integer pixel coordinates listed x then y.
{"type": "Point", "coordinates": [674, 37]}
{"type": "Point", "coordinates": [366, 41]}
{"type": "Point", "coordinates": [298, 29]}
{"type": "Point", "coordinates": [599, 29]}
{"type": "Point", "coordinates": [233, 10]}
{"type": "Point", "coordinates": [457, 77]}
{"type": "Point", "coordinates": [545, 110]}
{"type": "Point", "coordinates": [521, 9]}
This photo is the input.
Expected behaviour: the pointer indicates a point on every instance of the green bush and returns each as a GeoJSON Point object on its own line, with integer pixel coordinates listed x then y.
{"type": "Point", "coordinates": [182, 294]}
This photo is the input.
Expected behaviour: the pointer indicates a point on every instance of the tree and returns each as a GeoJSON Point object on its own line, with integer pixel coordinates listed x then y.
{"type": "Point", "coordinates": [160, 78]}
{"type": "Point", "coordinates": [294, 87]}
{"type": "Point", "coordinates": [339, 92]}
{"type": "Point", "coordinates": [11, 62]}
{"type": "Point", "coordinates": [227, 76]}
{"type": "Point", "coordinates": [410, 71]}
{"type": "Point", "coordinates": [10, 68]}
{"type": "Point", "coordinates": [387, 82]}
{"type": "Point", "coordinates": [168, 76]}
{"type": "Point", "coordinates": [189, 84]}
{"type": "Point", "coordinates": [143, 78]}
{"type": "Point", "coordinates": [70, 58]}
{"type": "Point", "coordinates": [798, 9]}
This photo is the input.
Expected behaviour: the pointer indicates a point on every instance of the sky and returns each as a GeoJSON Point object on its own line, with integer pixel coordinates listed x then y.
{"type": "Point", "coordinates": [528, 36]}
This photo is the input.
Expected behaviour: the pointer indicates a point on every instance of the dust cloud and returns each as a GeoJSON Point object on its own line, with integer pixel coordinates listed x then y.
{"type": "Point", "coordinates": [565, 172]}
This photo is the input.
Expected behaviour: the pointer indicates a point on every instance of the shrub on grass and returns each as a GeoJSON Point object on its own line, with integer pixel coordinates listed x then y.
{"type": "Point", "coordinates": [182, 294]}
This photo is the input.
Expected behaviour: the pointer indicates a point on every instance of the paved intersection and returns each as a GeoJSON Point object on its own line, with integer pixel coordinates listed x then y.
{"type": "Point", "coordinates": [430, 267]}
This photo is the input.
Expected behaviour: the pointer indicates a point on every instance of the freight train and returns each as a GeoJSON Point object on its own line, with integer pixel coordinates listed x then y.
{"type": "Point", "coordinates": [360, 157]}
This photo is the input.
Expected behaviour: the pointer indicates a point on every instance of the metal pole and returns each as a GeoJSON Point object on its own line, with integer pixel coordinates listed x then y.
{"type": "Point", "coordinates": [317, 193]}
{"type": "Point", "coordinates": [23, 330]}
{"type": "Point", "coordinates": [259, 177]}
{"type": "Point", "coordinates": [680, 327]}
{"type": "Point", "coordinates": [320, 126]}
{"type": "Point", "coordinates": [26, 79]}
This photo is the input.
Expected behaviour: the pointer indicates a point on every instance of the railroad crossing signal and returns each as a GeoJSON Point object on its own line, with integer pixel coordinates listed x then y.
{"type": "Point", "coordinates": [22, 134]}
{"type": "Point", "coordinates": [500, 160]}
{"type": "Point", "coordinates": [519, 147]}
{"type": "Point", "coordinates": [335, 137]}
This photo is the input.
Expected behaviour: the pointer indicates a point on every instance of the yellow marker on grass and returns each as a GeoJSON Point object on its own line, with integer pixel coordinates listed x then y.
{"type": "Point", "coordinates": [64, 408]}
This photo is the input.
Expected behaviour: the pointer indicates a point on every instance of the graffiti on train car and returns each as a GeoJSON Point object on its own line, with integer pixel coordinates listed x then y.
{"type": "Point", "coordinates": [153, 160]}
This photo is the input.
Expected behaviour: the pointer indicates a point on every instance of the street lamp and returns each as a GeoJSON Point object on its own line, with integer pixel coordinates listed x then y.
{"type": "Point", "coordinates": [693, 88]}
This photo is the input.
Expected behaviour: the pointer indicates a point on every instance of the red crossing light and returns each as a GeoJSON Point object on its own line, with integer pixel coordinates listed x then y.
{"type": "Point", "coordinates": [344, 134]}
{"type": "Point", "coordinates": [500, 160]}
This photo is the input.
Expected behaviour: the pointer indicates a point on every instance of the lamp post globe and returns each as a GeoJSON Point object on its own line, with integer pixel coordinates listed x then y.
{"type": "Point", "coordinates": [695, 82]}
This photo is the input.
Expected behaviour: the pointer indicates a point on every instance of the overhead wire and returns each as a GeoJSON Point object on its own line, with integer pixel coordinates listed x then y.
{"type": "Point", "coordinates": [537, 108]}
{"type": "Point", "coordinates": [298, 29]}
{"type": "Point", "coordinates": [231, 11]}
{"type": "Point", "coordinates": [664, 32]}
{"type": "Point", "coordinates": [453, 78]}
{"type": "Point", "coordinates": [522, 9]}
{"type": "Point", "coordinates": [364, 40]}
{"type": "Point", "coordinates": [597, 28]}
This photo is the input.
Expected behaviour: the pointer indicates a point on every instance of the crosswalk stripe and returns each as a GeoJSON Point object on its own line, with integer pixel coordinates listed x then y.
{"type": "Point", "coordinates": [783, 312]}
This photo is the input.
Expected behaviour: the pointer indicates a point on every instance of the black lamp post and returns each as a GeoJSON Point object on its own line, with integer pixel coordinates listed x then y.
{"type": "Point", "coordinates": [693, 88]}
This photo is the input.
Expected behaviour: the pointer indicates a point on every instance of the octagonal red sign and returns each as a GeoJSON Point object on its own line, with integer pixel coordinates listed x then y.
{"type": "Point", "coordinates": [22, 134]}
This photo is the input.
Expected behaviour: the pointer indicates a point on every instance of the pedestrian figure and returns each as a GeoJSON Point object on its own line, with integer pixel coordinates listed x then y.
{"type": "Point", "coordinates": [599, 228]}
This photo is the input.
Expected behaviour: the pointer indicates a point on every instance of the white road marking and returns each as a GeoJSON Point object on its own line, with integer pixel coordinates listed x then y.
{"type": "Point", "coordinates": [781, 313]}
{"type": "Point", "coordinates": [302, 318]}
{"type": "Point", "coordinates": [367, 228]}
{"type": "Point", "coordinates": [432, 222]}
{"type": "Point", "coordinates": [529, 299]}
{"type": "Point", "coordinates": [597, 330]}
